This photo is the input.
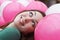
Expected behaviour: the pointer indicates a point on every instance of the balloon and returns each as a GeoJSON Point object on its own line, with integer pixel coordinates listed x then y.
{"type": "Point", "coordinates": [48, 28]}
{"type": "Point", "coordinates": [2, 1]}
{"type": "Point", "coordinates": [53, 9]}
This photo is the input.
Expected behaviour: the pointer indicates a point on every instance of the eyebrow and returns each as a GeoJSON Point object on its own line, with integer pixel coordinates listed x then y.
{"type": "Point", "coordinates": [35, 13]}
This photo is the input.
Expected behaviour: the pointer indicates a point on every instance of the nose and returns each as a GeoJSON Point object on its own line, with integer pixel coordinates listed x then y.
{"type": "Point", "coordinates": [27, 20]}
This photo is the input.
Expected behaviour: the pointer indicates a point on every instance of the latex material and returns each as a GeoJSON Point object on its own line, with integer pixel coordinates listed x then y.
{"type": "Point", "coordinates": [53, 9]}
{"type": "Point", "coordinates": [48, 28]}
{"type": "Point", "coordinates": [2, 1]}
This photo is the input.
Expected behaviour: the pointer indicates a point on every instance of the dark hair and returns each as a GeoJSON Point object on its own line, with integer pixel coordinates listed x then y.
{"type": "Point", "coordinates": [28, 36]}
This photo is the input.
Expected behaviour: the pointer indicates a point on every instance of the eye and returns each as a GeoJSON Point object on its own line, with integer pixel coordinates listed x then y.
{"type": "Point", "coordinates": [21, 16]}
{"type": "Point", "coordinates": [33, 23]}
{"type": "Point", "coordinates": [30, 14]}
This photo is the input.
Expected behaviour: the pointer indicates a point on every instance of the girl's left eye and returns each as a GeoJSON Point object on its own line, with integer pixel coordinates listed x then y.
{"type": "Point", "coordinates": [33, 23]}
{"type": "Point", "coordinates": [30, 14]}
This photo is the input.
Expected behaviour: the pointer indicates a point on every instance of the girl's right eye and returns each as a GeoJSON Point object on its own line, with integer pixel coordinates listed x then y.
{"type": "Point", "coordinates": [33, 23]}
{"type": "Point", "coordinates": [30, 14]}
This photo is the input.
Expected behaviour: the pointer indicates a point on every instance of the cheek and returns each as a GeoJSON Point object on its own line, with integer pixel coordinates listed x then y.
{"type": "Point", "coordinates": [29, 27]}
{"type": "Point", "coordinates": [39, 17]}
{"type": "Point", "coordinates": [17, 23]}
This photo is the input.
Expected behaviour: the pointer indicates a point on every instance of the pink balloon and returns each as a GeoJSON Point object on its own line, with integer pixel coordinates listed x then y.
{"type": "Point", "coordinates": [2, 22]}
{"type": "Point", "coordinates": [48, 28]}
{"type": "Point", "coordinates": [10, 11]}
{"type": "Point", "coordinates": [31, 0]}
{"type": "Point", "coordinates": [13, 8]}
{"type": "Point", "coordinates": [1, 1]}
{"type": "Point", "coordinates": [23, 0]}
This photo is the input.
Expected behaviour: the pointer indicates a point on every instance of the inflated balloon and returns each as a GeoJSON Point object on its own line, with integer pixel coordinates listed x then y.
{"type": "Point", "coordinates": [2, 1]}
{"type": "Point", "coordinates": [11, 8]}
{"type": "Point", "coordinates": [8, 11]}
{"type": "Point", "coordinates": [48, 28]}
{"type": "Point", "coordinates": [2, 21]}
{"type": "Point", "coordinates": [53, 9]}
{"type": "Point", "coordinates": [24, 0]}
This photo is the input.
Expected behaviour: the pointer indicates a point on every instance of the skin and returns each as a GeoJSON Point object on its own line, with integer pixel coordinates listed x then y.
{"type": "Point", "coordinates": [26, 21]}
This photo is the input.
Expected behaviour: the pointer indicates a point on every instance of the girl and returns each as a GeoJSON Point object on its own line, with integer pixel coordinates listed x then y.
{"type": "Point", "coordinates": [24, 24]}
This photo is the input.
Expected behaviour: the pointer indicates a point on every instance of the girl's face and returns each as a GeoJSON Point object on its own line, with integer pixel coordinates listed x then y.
{"type": "Point", "coordinates": [27, 21]}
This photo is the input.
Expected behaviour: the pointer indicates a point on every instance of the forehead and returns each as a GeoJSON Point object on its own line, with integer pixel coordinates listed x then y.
{"type": "Point", "coordinates": [27, 13]}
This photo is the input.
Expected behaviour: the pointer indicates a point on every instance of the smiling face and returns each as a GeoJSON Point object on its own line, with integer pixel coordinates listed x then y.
{"type": "Point", "coordinates": [27, 20]}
